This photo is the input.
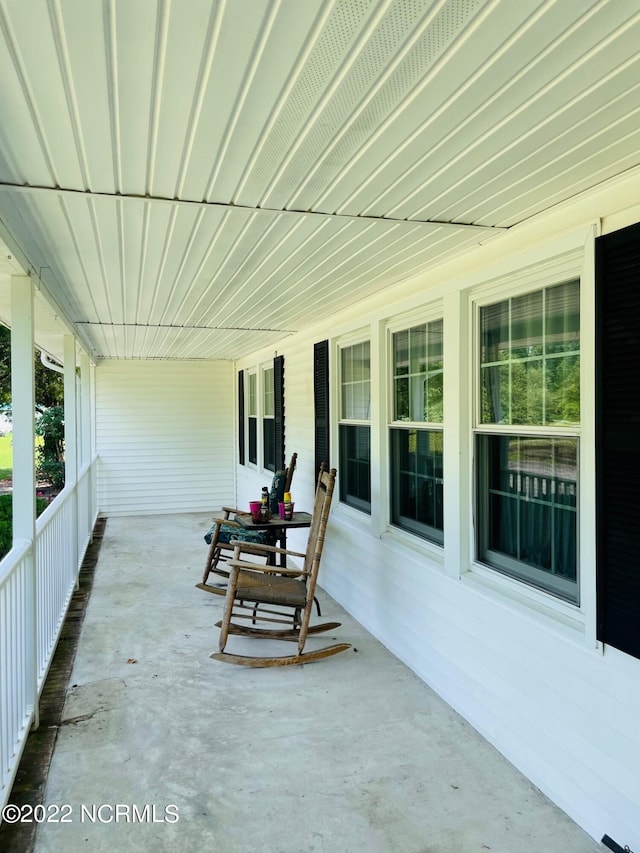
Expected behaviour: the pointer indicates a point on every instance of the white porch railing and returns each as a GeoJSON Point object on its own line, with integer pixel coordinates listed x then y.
{"type": "Point", "coordinates": [32, 614]}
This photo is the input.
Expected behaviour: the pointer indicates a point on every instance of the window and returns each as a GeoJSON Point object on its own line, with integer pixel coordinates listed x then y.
{"type": "Point", "coordinates": [252, 417]}
{"type": "Point", "coordinates": [268, 421]}
{"type": "Point", "coordinates": [527, 437]}
{"type": "Point", "coordinates": [416, 439]}
{"type": "Point", "coordinates": [354, 429]}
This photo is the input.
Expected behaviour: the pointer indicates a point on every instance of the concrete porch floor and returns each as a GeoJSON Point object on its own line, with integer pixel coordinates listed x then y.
{"type": "Point", "coordinates": [352, 753]}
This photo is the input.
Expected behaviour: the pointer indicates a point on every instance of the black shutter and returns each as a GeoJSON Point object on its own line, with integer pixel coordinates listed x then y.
{"type": "Point", "coordinates": [241, 417]}
{"type": "Point", "coordinates": [618, 438]}
{"type": "Point", "coordinates": [278, 411]}
{"type": "Point", "coordinates": [321, 402]}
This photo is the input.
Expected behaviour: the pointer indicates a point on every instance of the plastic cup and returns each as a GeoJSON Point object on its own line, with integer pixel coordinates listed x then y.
{"type": "Point", "coordinates": [254, 509]}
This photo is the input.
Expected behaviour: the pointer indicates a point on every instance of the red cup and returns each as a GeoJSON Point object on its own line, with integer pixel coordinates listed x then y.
{"type": "Point", "coordinates": [254, 509]}
{"type": "Point", "coordinates": [281, 509]}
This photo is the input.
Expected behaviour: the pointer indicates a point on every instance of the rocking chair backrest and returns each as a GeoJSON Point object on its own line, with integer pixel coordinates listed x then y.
{"type": "Point", "coordinates": [319, 519]}
{"type": "Point", "coordinates": [289, 472]}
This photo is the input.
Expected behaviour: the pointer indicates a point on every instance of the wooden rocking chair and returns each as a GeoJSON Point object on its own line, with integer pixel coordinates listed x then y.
{"type": "Point", "coordinates": [225, 529]}
{"type": "Point", "coordinates": [272, 594]}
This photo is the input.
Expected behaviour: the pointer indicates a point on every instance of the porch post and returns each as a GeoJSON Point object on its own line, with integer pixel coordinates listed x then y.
{"type": "Point", "coordinates": [457, 442]}
{"type": "Point", "coordinates": [71, 435]}
{"type": "Point", "coordinates": [85, 429]}
{"type": "Point", "coordinates": [24, 478]}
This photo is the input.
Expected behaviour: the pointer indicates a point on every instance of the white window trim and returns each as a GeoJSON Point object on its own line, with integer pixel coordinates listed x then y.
{"type": "Point", "coordinates": [261, 370]}
{"type": "Point", "coordinates": [576, 622]}
{"type": "Point", "coordinates": [252, 372]}
{"type": "Point", "coordinates": [355, 336]}
{"type": "Point", "coordinates": [398, 323]}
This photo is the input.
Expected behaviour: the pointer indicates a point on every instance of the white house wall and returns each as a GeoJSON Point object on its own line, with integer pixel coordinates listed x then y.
{"type": "Point", "coordinates": [164, 436]}
{"type": "Point", "coordinates": [522, 667]}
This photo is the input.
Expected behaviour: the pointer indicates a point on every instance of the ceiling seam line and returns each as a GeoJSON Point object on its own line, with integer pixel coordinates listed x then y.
{"type": "Point", "coordinates": [219, 205]}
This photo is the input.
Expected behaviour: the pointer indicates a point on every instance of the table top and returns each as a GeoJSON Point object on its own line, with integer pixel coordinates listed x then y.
{"type": "Point", "coordinates": [299, 519]}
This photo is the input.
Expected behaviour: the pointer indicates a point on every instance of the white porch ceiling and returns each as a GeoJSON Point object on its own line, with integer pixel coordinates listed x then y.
{"type": "Point", "coordinates": [196, 179]}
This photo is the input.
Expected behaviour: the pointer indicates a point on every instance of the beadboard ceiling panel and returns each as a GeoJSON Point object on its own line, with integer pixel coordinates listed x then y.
{"type": "Point", "coordinates": [197, 179]}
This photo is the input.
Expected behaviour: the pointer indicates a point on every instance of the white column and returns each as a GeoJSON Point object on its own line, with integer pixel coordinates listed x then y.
{"type": "Point", "coordinates": [457, 438]}
{"type": "Point", "coordinates": [86, 425]}
{"type": "Point", "coordinates": [24, 478]}
{"type": "Point", "coordinates": [71, 437]}
{"type": "Point", "coordinates": [379, 431]}
{"type": "Point", "coordinates": [70, 412]}
{"type": "Point", "coordinates": [85, 410]}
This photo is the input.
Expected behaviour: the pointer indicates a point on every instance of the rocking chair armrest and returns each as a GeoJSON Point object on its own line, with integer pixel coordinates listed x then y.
{"type": "Point", "coordinates": [235, 511]}
{"type": "Point", "coordinates": [228, 522]}
{"type": "Point", "coordinates": [267, 570]}
{"type": "Point", "coordinates": [256, 548]}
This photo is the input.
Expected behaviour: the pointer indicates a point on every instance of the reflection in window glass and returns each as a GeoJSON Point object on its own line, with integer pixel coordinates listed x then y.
{"type": "Point", "coordinates": [354, 439]}
{"type": "Point", "coordinates": [417, 373]}
{"type": "Point", "coordinates": [528, 509]}
{"type": "Point", "coordinates": [530, 358]}
{"type": "Point", "coordinates": [416, 482]}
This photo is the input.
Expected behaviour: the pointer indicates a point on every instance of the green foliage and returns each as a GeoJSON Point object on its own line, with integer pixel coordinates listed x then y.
{"type": "Point", "coordinates": [6, 456]}
{"type": "Point", "coordinates": [50, 453]}
{"type": "Point", "coordinates": [6, 521]}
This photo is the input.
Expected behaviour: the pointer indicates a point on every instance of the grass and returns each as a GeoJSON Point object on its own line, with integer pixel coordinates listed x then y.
{"type": "Point", "coordinates": [6, 456]}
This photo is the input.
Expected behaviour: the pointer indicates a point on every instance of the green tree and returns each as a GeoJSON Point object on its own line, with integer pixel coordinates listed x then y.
{"type": "Point", "coordinates": [50, 454]}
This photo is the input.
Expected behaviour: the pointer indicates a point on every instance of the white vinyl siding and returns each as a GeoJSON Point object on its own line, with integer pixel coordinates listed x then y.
{"type": "Point", "coordinates": [164, 436]}
{"type": "Point", "coordinates": [519, 664]}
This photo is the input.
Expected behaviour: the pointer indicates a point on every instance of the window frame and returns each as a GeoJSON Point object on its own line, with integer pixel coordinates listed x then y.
{"type": "Point", "coordinates": [356, 424]}
{"type": "Point", "coordinates": [417, 531]}
{"type": "Point", "coordinates": [267, 418]}
{"type": "Point", "coordinates": [252, 415]}
{"type": "Point", "coordinates": [520, 573]}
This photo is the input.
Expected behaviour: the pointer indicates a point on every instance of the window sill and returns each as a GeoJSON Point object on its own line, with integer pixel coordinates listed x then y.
{"type": "Point", "coordinates": [414, 545]}
{"type": "Point", "coordinates": [542, 608]}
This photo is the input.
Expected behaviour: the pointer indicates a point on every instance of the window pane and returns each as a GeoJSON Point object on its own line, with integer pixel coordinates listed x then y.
{"type": "Point", "coordinates": [418, 385]}
{"type": "Point", "coordinates": [563, 318]}
{"type": "Point", "coordinates": [269, 444]}
{"type": "Point", "coordinates": [267, 392]}
{"type": "Point", "coordinates": [530, 369]}
{"type": "Point", "coordinates": [527, 387]}
{"type": "Point", "coordinates": [401, 354]}
{"type": "Point", "coordinates": [418, 353]}
{"type": "Point", "coordinates": [253, 440]}
{"type": "Point", "coordinates": [347, 364]}
{"type": "Point", "coordinates": [355, 466]}
{"type": "Point", "coordinates": [494, 333]}
{"type": "Point", "coordinates": [347, 401]}
{"type": "Point", "coordinates": [402, 400]}
{"type": "Point", "coordinates": [355, 379]}
{"type": "Point", "coordinates": [416, 482]}
{"type": "Point", "coordinates": [435, 343]}
{"type": "Point", "coordinates": [527, 508]}
{"type": "Point", "coordinates": [253, 409]}
{"type": "Point", "coordinates": [495, 395]}
{"type": "Point", "coordinates": [434, 399]}
{"type": "Point", "coordinates": [418, 349]}
{"type": "Point", "coordinates": [526, 325]}
{"type": "Point", "coordinates": [562, 390]}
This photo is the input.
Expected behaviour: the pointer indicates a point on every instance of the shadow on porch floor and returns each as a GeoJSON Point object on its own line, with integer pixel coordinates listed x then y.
{"type": "Point", "coordinates": [353, 753]}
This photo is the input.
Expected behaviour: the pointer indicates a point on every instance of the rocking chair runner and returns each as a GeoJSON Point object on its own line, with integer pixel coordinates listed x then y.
{"type": "Point", "coordinates": [226, 528]}
{"type": "Point", "coordinates": [255, 591]}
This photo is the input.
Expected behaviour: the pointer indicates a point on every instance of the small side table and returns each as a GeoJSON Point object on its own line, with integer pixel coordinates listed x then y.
{"type": "Point", "coordinates": [278, 527]}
